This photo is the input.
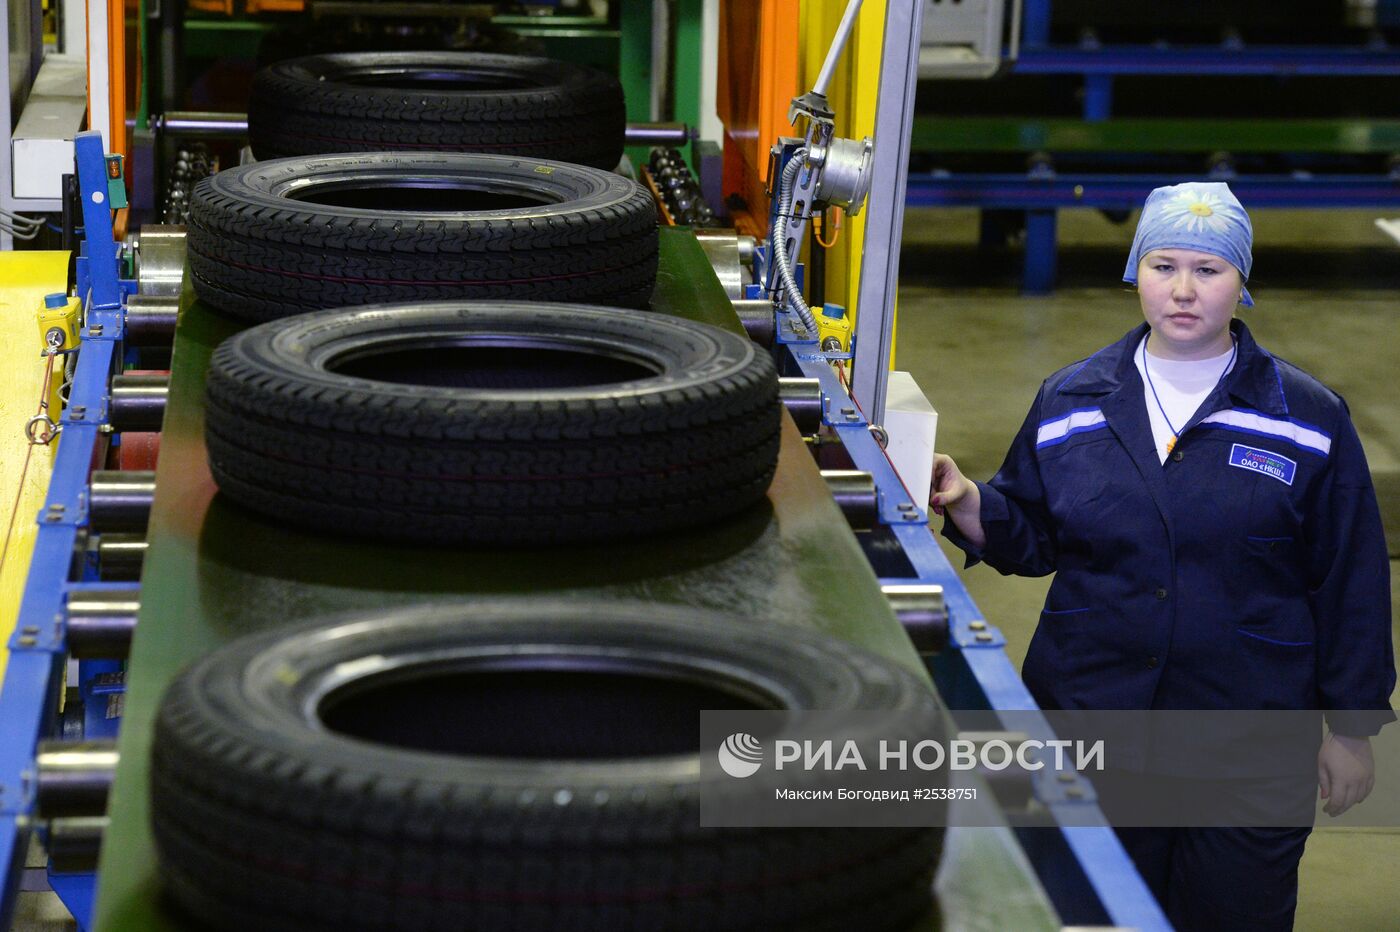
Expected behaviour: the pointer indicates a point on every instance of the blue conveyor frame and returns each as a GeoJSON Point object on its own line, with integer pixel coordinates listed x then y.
{"type": "Point", "coordinates": [34, 676]}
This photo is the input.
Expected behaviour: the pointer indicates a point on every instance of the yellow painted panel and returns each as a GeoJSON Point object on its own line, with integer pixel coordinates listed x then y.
{"type": "Point", "coordinates": [854, 97]}
{"type": "Point", "coordinates": [25, 277]}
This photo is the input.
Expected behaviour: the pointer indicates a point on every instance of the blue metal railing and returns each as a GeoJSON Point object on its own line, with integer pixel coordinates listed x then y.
{"type": "Point", "coordinates": [29, 698]}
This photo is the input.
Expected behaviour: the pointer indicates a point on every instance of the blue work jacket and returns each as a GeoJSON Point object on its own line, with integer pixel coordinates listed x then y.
{"type": "Point", "coordinates": [1248, 571]}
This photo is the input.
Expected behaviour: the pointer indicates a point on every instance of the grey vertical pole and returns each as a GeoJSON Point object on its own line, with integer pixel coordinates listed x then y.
{"type": "Point", "coordinates": [879, 269]}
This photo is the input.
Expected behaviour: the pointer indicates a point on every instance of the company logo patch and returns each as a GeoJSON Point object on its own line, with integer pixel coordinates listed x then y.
{"type": "Point", "coordinates": [740, 755]}
{"type": "Point", "coordinates": [1262, 461]}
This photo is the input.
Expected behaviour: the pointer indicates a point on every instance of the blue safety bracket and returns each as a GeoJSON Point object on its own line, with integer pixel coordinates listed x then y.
{"type": "Point", "coordinates": [104, 691]}
{"type": "Point", "coordinates": [78, 892]}
{"type": "Point", "coordinates": [771, 284]}
{"type": "Point", "coordinates": [102, 269]}
{"type": "Point", "coordinates": [29, 697]}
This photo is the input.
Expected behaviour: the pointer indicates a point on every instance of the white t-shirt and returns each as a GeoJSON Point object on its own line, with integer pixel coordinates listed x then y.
{"type": "Point", "coordinates": [1181, 385]}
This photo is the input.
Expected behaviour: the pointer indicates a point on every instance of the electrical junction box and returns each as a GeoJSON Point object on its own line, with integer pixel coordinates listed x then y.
{"type": "Point", "coordinates": [41, 147]}
{"type": "Point", "coordinates": [912, 424]}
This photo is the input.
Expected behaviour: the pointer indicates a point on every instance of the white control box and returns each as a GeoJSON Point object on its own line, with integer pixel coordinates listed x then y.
{"type": "Point", "coordinates": [912, 425]}
{"type": "Point", "coordinates": [41, 147]}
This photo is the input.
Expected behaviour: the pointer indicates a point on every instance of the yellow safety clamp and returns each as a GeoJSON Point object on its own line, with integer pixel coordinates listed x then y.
{"type": "Point", "coordinates": [833, 323]}
{"type": "Point", "coordinates": [58, 333]}
{"type": "Point", "coordinates": [58, 324]}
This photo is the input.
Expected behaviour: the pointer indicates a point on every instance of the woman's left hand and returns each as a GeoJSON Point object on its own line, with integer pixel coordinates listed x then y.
{"type": "Point", "coordinates": [1346, 772]}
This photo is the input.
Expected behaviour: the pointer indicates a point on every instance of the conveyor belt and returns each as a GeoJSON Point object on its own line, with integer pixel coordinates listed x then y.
{"type": "Point", "coordinates": [214, 572]}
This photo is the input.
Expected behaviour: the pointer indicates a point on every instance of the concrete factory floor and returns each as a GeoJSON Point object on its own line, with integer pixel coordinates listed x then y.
{"type": "Point", "coordinates": [1327, 287]}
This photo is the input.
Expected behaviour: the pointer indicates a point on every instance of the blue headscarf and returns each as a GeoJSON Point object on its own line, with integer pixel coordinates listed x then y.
{"type": "Point", "coordinates": [1200, 215]}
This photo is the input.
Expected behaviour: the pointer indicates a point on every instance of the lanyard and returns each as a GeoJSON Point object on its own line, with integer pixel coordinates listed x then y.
{"type": "Point", "coordinates": [1147, 371]}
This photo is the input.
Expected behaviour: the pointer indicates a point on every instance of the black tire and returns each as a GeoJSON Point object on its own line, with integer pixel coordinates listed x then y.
{"type": "Point", "coordinates": [327, 34]}
{"type": "Point", "coordinates": [512, 766]}
{"type": "Point", "coordinates": [437, 101]}
{"type": "Point", "coordinates": [418, 228]}
{"type": "Point", "coordinates": [492, 423]}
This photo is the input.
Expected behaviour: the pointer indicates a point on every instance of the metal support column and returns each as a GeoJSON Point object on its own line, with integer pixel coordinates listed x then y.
{"type": "Point", "coordinates": [634, 65]}
{"type": "Point", "coordinates": [1040, 252]}
{"type": "Point", "coordinates": [879, 277]}
{"type": "Point", "coordinates": [1098, 97]}
{"type": "Point", "coordinates": [686, 89]}
{"type": "Point", "coordinates": [1036, 30]}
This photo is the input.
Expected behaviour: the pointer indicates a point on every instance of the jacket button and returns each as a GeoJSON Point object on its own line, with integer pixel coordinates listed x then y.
{"type": "Point", "coordinates": [1161, 594]}
{"type": "Point", "coordinates": [1151, 663]}
{"type": "Point", "coordinates": [1178, 456]}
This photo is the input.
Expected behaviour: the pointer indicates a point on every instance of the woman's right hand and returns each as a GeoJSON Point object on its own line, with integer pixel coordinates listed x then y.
{"type": "Point", "coordinates": [958, 497]}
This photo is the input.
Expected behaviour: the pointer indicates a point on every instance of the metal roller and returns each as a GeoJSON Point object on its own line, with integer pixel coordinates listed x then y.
{"type": "Point", "coordinates": [73, 843]}
{"type": "Point", "coordinates": [120, 556]}
{"type": "Point", "coordinates": [160, 269]}
{"type": "Point", "coordinates": [922, 611]}
{"type": "Point", "coordinates": [120, 500]}
{"type": "Point", "coordinates": [758, 320]}
{"type": "Point", "coordinates": [73, 777]}
{"type": "Point", "coordinates": [854, 491]}
{"type": "Point", "coordinates": [208, 125]}
{"type": "Point", "coordinates": [722, 249]}
{"type": "Point", "coordinates": [138, 402]}
{"type": "Point", "coordinates": [150, 319]}
{"type": "Point", "coordinates": [656, 134]}
{"type": "Point", "coordinates": [803, 400]}
{"type": "Point", "coordinates": [747, 246]}
{"type": "Point", "coordinates": [202, 124]}
{"type": "Point", "coordinates": [101, 622]}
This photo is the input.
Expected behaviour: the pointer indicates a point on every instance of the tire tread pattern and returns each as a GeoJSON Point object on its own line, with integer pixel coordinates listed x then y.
{"type": "Point", "coordinates": [351, 458]}
{"type": "Point", "coordinates": [277, 833]}
{"type": "Point", "coordinates": [260, 262]}
{"type": "Point", "coordinates": [560, 111]}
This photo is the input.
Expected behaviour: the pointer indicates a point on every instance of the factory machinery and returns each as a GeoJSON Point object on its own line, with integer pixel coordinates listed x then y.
{"type": "Point", "coordinates": [140, 567]}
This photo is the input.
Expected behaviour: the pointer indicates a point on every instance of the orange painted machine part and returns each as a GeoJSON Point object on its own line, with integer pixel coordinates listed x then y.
{"type": "Point", "coordinates": [123, 85]}
{"type": "Point", "coordinates": [274, 6]}
{"type": "Point", "coordinates": [116, 73]}
{"type": "Point", "coordinates": [137, 451]}
{"type": "Point", "coordinates": [758, 77]}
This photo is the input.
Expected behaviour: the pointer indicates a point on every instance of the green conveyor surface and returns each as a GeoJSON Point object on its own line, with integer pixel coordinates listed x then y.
{"type": "Point", "coordinates": [214, 572]}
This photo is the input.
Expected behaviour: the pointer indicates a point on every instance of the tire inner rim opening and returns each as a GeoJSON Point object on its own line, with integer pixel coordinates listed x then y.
{"type": "Point", "coordinates": [431, 79]}
{"type": "Point", "coordinates": [500, 363]}
{"type": "Point", "coordinates": [536, 708]}
{"type": "Point", "coordinates": [420, 195]}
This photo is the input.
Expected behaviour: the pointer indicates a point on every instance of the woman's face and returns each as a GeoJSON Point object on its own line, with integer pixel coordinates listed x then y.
{"type": "Point", "coordinates": [1188, 298]}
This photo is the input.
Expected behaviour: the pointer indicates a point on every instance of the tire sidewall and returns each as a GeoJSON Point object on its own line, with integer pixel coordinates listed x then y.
{"type": "Point", "coordinates": [575, 187]}
{"type": "Point", "coordinates": [539, 75]}
{"type": "Point", "coordinates": [256, 690]}
{"type": "Point", "coordinates": [689, 354]}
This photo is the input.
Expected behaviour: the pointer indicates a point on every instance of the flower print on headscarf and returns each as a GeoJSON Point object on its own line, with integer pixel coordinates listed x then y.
{"type": "Point", "coordinates": [1196, 210]}
{"type": "Point", "coordinates": [1204, 216]}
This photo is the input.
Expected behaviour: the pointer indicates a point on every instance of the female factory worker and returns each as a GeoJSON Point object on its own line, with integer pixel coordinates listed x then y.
{"type": "Point", "coordinates": [1208, 513]}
